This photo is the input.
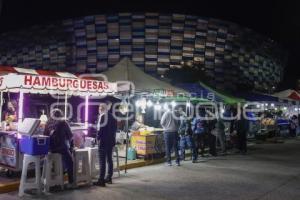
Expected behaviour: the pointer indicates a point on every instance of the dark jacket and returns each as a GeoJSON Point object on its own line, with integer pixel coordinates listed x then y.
{"type": "Point", "coordinates": [107, 132]}
{"type": "Point", "coordinates": [241, 126]}
{"type": "Point", "coordinates": [185, 127]}
{"type": "Point", "coordinates": [59, 132]}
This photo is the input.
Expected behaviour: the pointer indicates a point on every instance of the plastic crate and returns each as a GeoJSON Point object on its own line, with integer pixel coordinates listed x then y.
{"type": "Point", "coordinates": [34, 145]}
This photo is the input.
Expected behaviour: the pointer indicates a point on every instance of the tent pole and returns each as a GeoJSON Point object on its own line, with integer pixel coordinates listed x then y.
{"type": "Point", "coordinates": [86, 111]}
{"type": "Point", "coordinates": [66, 106]}
{"type": "Point", "coordinates": [127, 135]}
{"type": "Point", "coordinates": [20, 112]}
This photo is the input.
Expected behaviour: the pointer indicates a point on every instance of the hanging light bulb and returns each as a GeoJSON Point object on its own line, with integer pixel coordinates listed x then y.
{"type": "Point", "coordinates": [124, 107]}
{"type": "Point", "coordinates": [166, 107]}
{"type": "Point", "coordinates": [188, 104]}
{"type": "Point", "coordinates": [266, 104]}
{"type": "Point", "coordinates": [173, 103]}
{"type": "Point", "coordinates": [157, 106]}
{"type": "Point", "coordinates": [143, 103]}
{"type": "Point", "coordinates": [296, 109]}
{"type": "Point", "coordinates": [257, 105]}
{"type": "Point", "coordinates": [272, 105]}
{"type": "Point", "coordinates": [276, 109]}
{"type": "Point", "coordinates": [138, 103]}
{"type": "Point", "coordinates": [149, 103]}
{"type": "Point", "coordinates": [284, 108]}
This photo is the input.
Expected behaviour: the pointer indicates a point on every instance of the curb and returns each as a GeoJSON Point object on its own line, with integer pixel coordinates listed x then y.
{"type": "Point", "coordinates": [14, 186]}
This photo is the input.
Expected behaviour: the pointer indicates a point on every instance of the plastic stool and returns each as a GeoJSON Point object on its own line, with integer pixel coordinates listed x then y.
{"type": "Point", "coordinates": [53, 173]}
{"type": "Point", "coordinates": [24, 184]}
{"type": "Point", "coordinates": [94, 162]}
{"type": "Point", "coordinates": [117, 169]}
{"type": "Point", "coordinates": [82, 167]}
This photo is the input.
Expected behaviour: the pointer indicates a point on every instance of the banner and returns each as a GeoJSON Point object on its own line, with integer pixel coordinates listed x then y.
{"type": "Point", "coordinates": [56, 83]}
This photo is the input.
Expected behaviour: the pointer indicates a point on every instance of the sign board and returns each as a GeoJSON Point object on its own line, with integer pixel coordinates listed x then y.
{"type": "Point", "coordinates": [164, 93]}
{"type": "Point", "coordinates": [39, 82]}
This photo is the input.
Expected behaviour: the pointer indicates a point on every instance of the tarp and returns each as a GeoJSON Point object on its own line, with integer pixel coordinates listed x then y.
{"type": "Point", "coordinates": [288, 94]}
{"type": "Point", "coordinates": [125, 70]}
{"type": "Point", "coordinates": [202, 90]}
{"type": "Point", "coordinates": [257, 97]}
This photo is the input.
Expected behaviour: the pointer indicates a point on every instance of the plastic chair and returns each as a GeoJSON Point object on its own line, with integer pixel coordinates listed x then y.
{"type": "Point", "coordinates": [53, 173]}
{"type": "Point", "coordinates": [94, 162]}
{"type": "Point", "coordinates": [24, 184]}
{"type": "Point", "coordinates": [82, 167]}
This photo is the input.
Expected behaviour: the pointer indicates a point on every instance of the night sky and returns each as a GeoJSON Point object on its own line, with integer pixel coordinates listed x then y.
{"type": "Point", "coordinates": [279, 20]}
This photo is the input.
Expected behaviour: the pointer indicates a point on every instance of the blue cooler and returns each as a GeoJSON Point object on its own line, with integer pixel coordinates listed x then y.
{"type": "Point", "coordinates": [34, 145]}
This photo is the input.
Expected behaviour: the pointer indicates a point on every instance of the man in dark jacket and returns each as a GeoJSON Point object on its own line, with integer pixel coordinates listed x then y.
{"type": "Point", "coordinates": [106, 136]}
{"type": "Point", "coordinates": [61, 140]}
{"type": "Point", "coordinates": [242, 127]}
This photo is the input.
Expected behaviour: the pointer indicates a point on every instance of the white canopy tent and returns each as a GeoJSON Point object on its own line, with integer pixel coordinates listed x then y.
{"type": "Point", "coordinates": [126, 71]}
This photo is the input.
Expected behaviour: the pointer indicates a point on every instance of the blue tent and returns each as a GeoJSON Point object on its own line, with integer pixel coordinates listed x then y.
{"type": "Point", "coordinates": [250, 96]}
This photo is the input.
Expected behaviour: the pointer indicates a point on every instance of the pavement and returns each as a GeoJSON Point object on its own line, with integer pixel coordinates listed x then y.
{"type": "Point", "coordinates": [268, 172]}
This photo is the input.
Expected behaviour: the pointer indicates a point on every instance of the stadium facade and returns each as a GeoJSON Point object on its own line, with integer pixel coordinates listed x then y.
{"type": "Point", "coordinates": [229, 55]}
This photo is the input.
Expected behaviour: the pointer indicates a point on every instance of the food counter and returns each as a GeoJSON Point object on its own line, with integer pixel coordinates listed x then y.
{"type": "Point", "coordinates": [10, 155]}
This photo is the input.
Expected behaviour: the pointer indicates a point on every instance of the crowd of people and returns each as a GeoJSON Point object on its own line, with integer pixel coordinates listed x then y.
{"type": "Point", "coordinates": [196, 133]}
{"type": "Point", "coordinates": [181, 132]}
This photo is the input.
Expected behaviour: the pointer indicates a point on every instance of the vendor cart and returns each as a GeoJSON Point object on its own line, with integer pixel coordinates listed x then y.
{"type": "Point", "coordinates": [29, 81]}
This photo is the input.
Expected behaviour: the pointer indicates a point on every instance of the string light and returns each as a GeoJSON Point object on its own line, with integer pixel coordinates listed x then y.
{"type": "Point", "coordinates": [149, 103]}
{"type": "Point", "coordinates": [157, 106]}
{"type": "Point", "coordinates": [284, 108]}
{"type": "Point", "coordinates": [188, 104]}
{"type": "Point", "coordinates": [272, 105]}
{"type": "Point", "coordinates": [173, 103]}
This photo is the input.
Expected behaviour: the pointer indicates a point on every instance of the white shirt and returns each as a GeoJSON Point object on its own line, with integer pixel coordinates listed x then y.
{"type": "Point", "coordinates": [99, 121]}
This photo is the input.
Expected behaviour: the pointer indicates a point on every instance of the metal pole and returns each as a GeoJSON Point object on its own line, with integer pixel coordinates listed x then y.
{"type": "Point", "coordinates": [127, 135]}
{"type": "Point", "coordinates": [86, 111]}
{"type": "Point", "coordinates": [1, 104]}
{"type": "Point", "coordinates": [66, 105]}
{"type": "Point", "coordinates": [20, 112]}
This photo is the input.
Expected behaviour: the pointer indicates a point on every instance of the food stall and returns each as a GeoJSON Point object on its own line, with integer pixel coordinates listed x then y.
{"type": "Point", "coordinates": [146, 134]}
{"type": "Point", "coordinates": [148, 140]}
{"type": "Point", "coordinates": [57, 84]}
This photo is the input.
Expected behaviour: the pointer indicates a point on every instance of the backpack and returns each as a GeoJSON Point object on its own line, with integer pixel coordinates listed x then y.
{"type": "Point", "coordinates": [199, 127]}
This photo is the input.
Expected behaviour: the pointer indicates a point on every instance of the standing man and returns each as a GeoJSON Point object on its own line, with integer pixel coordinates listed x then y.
{"type": "Point", "coordinates": [106, 136]}
{"type": "Point", "coordinates": [170, 124]}
{"type": "Point", "coordinates": [212, 138]}
{"type": "Point", "coordinates": [199, 127]}
{"type": "Point", "coordinates": [221, 137]}
{"type": "Point", "coordinates": [186, 136]}
{"type": "Point", "coordinates": [242, 127]}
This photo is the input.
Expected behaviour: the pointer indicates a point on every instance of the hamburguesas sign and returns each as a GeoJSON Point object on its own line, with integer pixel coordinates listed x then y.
{"type": "Point", "coordinates": [56, 83]}
{"type": "Point", "coordinates": [65, 83]}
